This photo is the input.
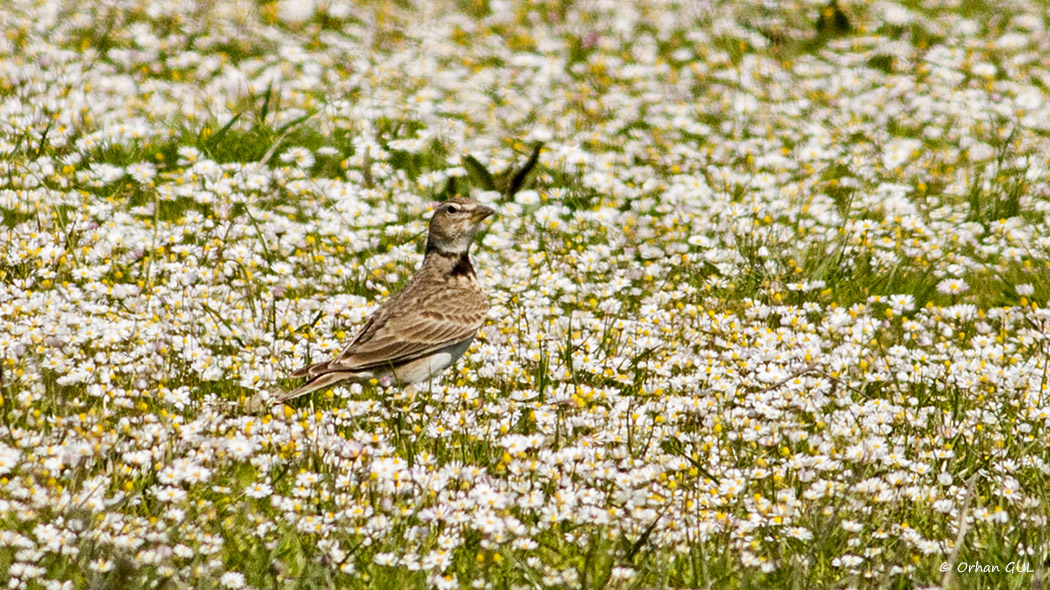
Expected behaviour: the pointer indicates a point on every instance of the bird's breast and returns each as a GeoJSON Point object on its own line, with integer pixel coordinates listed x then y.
{"type": "Point", "coordinates": [464, 282]}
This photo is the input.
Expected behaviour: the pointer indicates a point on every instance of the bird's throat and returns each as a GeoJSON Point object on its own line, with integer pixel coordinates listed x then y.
{"type": "Point", "coordinates": [454, 264]}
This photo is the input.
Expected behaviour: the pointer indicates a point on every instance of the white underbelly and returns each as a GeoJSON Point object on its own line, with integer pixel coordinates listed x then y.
{"type": "Point", "coordinates": [424, 368]}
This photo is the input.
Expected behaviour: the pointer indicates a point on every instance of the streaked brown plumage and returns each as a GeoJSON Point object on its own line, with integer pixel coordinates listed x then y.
{"type": "Point", "coordinates": [425, 327]}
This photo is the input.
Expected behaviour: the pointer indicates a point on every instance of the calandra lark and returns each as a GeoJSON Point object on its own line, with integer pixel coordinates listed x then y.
{"type": "Point", "coordinates": [424, 328]}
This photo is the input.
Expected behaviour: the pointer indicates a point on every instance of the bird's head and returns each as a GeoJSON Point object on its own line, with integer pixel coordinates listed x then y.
{"type": "Point", "coordinates": [454, 225]}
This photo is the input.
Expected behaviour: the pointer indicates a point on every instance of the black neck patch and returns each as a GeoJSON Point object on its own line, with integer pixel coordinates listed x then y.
{"type": "Point", "coordinates": [463, 267]}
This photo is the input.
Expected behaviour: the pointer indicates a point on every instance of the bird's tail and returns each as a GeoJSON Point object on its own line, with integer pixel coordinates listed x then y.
{"type": "Point", "coordinates": [319, 382]}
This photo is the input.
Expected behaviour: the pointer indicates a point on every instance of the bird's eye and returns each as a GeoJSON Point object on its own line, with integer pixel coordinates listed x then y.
{"type": "Point", "coordinates": [451, 209]}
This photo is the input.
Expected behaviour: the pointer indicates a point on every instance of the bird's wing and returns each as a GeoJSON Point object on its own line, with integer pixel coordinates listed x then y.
{"type": "Point", "coordinates": [411, 327]}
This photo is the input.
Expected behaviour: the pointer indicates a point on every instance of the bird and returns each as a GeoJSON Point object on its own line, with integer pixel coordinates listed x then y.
{"type": "Point", "coordinates": [423, 329]}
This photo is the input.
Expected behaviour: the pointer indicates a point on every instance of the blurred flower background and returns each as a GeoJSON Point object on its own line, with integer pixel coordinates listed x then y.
{"type": "Point", "coordinates": [768, 312]}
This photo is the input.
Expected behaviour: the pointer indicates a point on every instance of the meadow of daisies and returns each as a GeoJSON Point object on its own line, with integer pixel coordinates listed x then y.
{"type": "Point", "coordinates": [769, 306]}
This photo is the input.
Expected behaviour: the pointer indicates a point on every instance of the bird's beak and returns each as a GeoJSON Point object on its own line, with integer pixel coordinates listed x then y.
{"type": "Point", "coordinates": [483, 212]}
